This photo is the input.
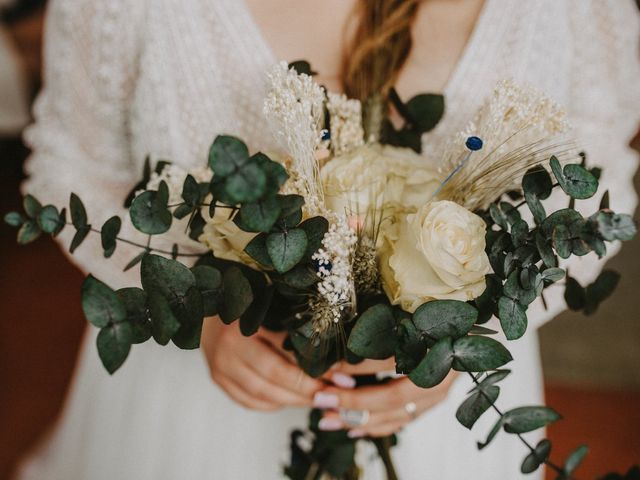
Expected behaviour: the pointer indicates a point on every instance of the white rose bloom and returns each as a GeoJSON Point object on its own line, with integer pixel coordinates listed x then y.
{"type": "Point", "coordinates": [373, 176]}
{"type": "Point", "coordinates": [354, 182]}
{"type": "Point", "coordinates": [224, 238]}
{"type": "Point", "coordinates": [412, 179]}
{"type": "Point", "coordinates": [436, 253]}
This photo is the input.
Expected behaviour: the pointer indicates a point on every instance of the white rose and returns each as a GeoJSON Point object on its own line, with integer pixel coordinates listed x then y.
{"type": "Point", "coordinates": [373, 176]}
{"type": "Point", "coordinates": [354, 182]}
{"type": "Point", "coordinates": [436, 253]}
{"type": "Point", "coordinates": [224, 238]}
{"type": "Point", "coordinates": [412, 179]}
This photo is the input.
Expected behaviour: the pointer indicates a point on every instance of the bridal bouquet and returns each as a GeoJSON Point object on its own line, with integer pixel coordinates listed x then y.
{"type": "Point", "coordinates": [358, 247]}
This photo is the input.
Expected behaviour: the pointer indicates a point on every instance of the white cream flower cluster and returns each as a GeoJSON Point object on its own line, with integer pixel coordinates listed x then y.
{"type": "Point", "coordinates": [334, 264]}
{"type": "Point", "coordinates": [345, 120]}
{"type": "Point", "coordinates": [295, 109]}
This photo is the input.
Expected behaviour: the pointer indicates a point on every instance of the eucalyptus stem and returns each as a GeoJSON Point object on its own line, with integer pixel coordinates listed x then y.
{"type": "Point", "coordinates": [145, 247]}
{"type": "Point", "coordinates": [523, 202]}
{"type": "Point", "coordinates": [547, 462]}
{"type": "Point", "coordinates": [383, 445]}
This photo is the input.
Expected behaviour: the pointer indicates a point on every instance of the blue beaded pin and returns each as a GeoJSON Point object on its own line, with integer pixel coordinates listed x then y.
{"type": "Point", "coordinates": [473, 144]}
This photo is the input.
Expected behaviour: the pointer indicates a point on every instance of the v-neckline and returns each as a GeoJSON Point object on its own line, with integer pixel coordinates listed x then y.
{"type": "Point", "coordinates": [470, 50]}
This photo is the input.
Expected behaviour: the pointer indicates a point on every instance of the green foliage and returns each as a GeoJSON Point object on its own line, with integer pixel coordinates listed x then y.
{"type": "Point", "coordinates": [163, 321]}
{"type": "Point", "coordinates": [536, 458]}
{"type": "Point", "coordinates": [527, 419]}
{"type": "Point", "coordinates": [237, 293]}
{"type": "Point", "coordinates": [13, 219]}
{"type": "Point", "coordinates": [373, 335]}
{"type": "Point", "coordinates": [575, 180]}
{"type": "Point", "coordinates": [149, 212]}
{"type": "Point", "coordinates": [479, 354]}
{"type": "Point", "coordinates": [100, 304]}
{"type": "Point", "coordinates": [49, 219]}
{"type": "Point", "coordinates": [445, 318]}
{"type": "Point", "coordinates": [78, 212]}
{"type": "Point", "coordinates": [615, 226]}
{"type": "Point", "coordinates": [574, 460]}
{"type": "Point", "coordinates": [114, 343]}
{"type": "Point", "coordinates": [109, 234]}
{"type": "Point", "coordinates": [435, 366]}
{"type": "Point", "coordinates": [286, 248]}
{"type": "Point", "coordinates": [476, 404]}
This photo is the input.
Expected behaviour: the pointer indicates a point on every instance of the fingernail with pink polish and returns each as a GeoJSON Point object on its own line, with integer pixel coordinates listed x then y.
{"type": "Point", "coordinates": [329, 424]}
{"type": "Point", "coordinates": [355, 434]}
{"type": "Point", "coordinates": [343, 380]}
{"type": "Point", "coordinates": [325, 400]}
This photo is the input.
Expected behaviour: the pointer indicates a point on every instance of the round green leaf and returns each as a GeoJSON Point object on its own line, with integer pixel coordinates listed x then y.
{"type": "Point", "coordinates": [149, 214]}
{"type": "Point", "coordinates": [135, 302]}
{"type": "Point", "coordinates": [49, 219]}
{"type": "Point", "coordinates": [29, 231]}
{"type": "Point", "coordinates": [13, 219]}
{"type": "Point", "coordinates": [227, 154]}
{"type": "Point", "coordinates": [536, 458]}
{"type": "Point", "coordinates": [260, 216]}
{"type": "Point", "coordinates": [474, 406]}
{"type": "Point", "coordinates": [190, 314]}
{"type": "Point", "coordinates": [238, 294]}
{"type": "Point", "coordinates": [513, 318]}
{"type": "Point", "coordinates": [315, 228]}
{"type": "Point", "coordinates": [114, 344]}
{"type": "Point", "coordinates": [435, 366]}
{"type": "Point", "coordinates": [615, 226]}
{"type": "Point", "coordinates": [578, 182]}
{"type": "Point", "coordinates": [287, 249]}
{"type": "Point", "coordinates": [537, 182]}
{"type": "Point", "coordinates": [479, 354]}
{"type": "Point", "coordinates": [164, 323]}
{"type": "Point", "coordinates": [100, 304]}
{"type": "Point", "coordinates": [445, 318]}
{"type": "Point", "coordinates": [257, 249]}
{"type": "Point", "coordinates": [79, 237]}
{"type": "Point", "coordinates": [247, 184]}
{"type": "Point", "coordinates": [373, 335]}
{"type": "Point", "coordinates": [168, 277]}
{"type": "Point", "coordinates": [31, 206]}
{"type": "Point", "coordinates": [425, 110]}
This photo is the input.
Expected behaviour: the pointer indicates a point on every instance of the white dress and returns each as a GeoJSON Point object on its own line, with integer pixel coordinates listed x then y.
{"type": "Point", "coordinates": [128, 78]}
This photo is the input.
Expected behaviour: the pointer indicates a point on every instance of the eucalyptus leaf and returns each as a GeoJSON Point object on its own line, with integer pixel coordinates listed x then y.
{"type": "Point", "coordinates": [191, 191]}
{"type": "Point", "coordinates": [257, 249]}
{"type": "Point", "coordinates": [527, 419]}
{"type": "Point", "coordinates": [301, 277]}
{"type": "Point", "coordinates": [247, 184]}
{"type": "Point", "coordinates": [410, 348]}
{"type": "Point", "coordinates": [315, 228]}
{"type": "Point", "coordinates": [100, 304]}
{"type": "Point", "coordinates": [78, 212]}
{"type": "Point", "coordinates": [435, 366]}
{"type": "Point", "coordinates": [552, 275]}
{"type": "Point", "coordinates": [545, 251]}
{"type": "Point", "coordinates": [227, 154]}
{"type": "Point", "coordinates": [135, 260]}
{"type": "Point", "coordinates": [373, 335]}
{"type": "Point", "coordinates": [79, 237]}
{"type": "Point", "coordinates": [445, 318]}
{"type": "Point", "coordinates": [209, 283]}
{"type": "Point", "coordinates": [615, 226]}
{"type": "Point", "coordinates": [167, 277]}
{"type": "Point", "coordinates": [425, 111]}
{"type": "Point", "coordinates": [190, 313]}
{"type": "Point", "coordinates": [238, 294]}
{"type": "Point", "coordinates": [109, 234]}
{"type": "Point", "coordinates": [260, 216]}
{"type": "Point", "coordinates": [474, 406]}
{"type": "Point", "coordinates": [574, 460]}
{"type": "Point", "coordinates": [31, 206]}
{"type": "Point", "coordinates": [513, 318]}
{"type": "Point", "coordinates": [163, 321]}
{"type": "Point", "coordinates": [149, 213]}
{"type": "Point", "coordinates": [536, 458]}
{"type": "Point", "coordinates": [114, 343]}
{"type": "Point", "coordinates": [135, 303]}
{"type": "Point", "coordinates": [13, 219]}
{"type": "Point", "coordinates": [479, 354]}
{"type": "Point", "coordinates": [287, 249]}
{"type": "Point", "coordinates": [537, 182]}
{"type": "Point", "coordinates": [49, 219]}
{"type": "Point", "coordinates": [29, 231]}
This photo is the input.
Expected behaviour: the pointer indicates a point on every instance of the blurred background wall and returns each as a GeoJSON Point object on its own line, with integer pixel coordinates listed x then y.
{"type": "Point", "coordinates": [591, 364]}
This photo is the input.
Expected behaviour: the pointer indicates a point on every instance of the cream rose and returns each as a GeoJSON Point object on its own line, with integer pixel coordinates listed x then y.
{"type": "Point", "coordinates": [224, 238]}
{"type": "Point", "coordinates": [436, 253]}
{"type": "Point", "coordinates": [375, 176]}
{"type": "Point", "coordinates": [354, 182]}
{"type": "Point", "coordinates": [412, 180]}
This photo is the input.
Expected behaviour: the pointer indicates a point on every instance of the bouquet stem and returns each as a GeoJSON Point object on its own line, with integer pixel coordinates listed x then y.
{"type": "Point", "coordinates": [384, 444]}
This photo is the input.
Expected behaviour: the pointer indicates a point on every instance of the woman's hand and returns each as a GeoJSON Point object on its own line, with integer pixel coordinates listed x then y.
{"type": "Point", "coordinates": [252, 370]}
{"type": "Point", "coordinates": [390, 406]}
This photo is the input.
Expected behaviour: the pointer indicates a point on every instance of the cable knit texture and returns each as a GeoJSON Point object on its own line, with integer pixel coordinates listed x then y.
{"type": "Point", "coordinates": [131, 78]}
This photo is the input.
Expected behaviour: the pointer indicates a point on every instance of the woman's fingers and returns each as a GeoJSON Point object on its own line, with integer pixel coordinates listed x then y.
{"type": "Point", "coordinates": [263, 360]}
{"type": "Point", "coordinates": [367, 367]}
{"type": "Point", "coordinates": [239, 395]}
